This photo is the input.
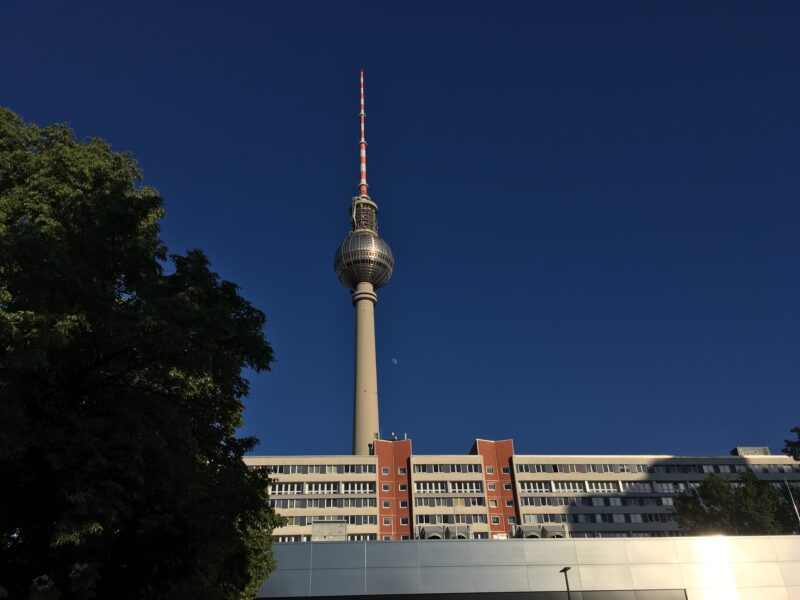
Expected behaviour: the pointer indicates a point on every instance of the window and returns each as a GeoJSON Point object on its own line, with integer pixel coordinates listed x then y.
{"type": "Point", "coordinates": [665, 486]}
{"type": "Point", "coordinates": [492, 503]}
{"type": "Point", "coordinates": [286, 488]}
{"type": "Point", "coordinates": [358, 487]}
{"type": "Point", "coordinates": [385, 487]}
{"type": "Point", "coordinates": [403, 503]}
{"type": "Point", "coordinates": [495, 520]}
{"type": "Point", "coordinates": [387, 538]}
{"type": "Point", "coordinates": [509, 503]}
{"type": "Point", "coordinates": [463, 487]}
{"type": "Point", "coordinates": [492, 486]}
{"type": "Point", "coordinates": [431, 487]}
{"type": "Point", "coordinates": [506, 486]}
{"type": "Point", "coordinates": [401, 470]}
{"type": "Point", "coordinates": [603, 486]}
{"type": "Point", "coordinates": [323, 488]}
{"type": "Point", "coordinates": [404, 521]}
{"type": "Point", "coordinates": [512, 520]}
{"type": "Point", "coordinates": [636, 486]}
{"type": "Point", "coordinates": [404, 537]}
{"type": "Point", "coordinates": [387, 521]}
{"type": "Point", "coordinates": [403, 487]}
{"type": "Point", "coordinates": [387, 504]}
{"type": "Point", "coordinates": [505, 470]}
{"type": "Point", "coordinates": [568, 486]}
{"type": "Point", "coordinates": [535, 468]}
{"type": "Point", "coordinates": [535, 486]}
{"type": "Point", "coordinates": [556, 518]}
{"type": "Point", "coordinates": [385, 471]}
{"type": "Point", "coordinates": [490, 470]}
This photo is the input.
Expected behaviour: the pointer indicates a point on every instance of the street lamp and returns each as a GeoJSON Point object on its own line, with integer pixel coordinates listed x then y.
{"type": "Point", "coordinates": [566, 579]}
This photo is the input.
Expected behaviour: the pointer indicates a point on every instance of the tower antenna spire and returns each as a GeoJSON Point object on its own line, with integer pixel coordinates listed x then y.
{"type": "Point", "coordinates": [362, 145]}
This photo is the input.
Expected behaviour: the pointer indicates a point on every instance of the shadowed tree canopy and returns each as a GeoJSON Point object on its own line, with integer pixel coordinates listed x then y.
{"type": "Point", "coordinates": [120, 389]}
{"type": "Point", "coordinates": [748, 506]}
{"type": "Point", "coordinates": [792, 447]}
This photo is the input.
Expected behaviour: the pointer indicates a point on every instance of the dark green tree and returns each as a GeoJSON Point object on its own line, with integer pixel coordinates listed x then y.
{"type": "Point", "coordinates": [748, 506]}
{"type": "Point", "coordinates": [792, 447]}
{"type": "Point", "coordinates": [121, 389]}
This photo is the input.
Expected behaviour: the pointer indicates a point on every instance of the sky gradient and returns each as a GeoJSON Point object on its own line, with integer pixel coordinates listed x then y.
{"type": "Point", "coordinates": [594, 207]}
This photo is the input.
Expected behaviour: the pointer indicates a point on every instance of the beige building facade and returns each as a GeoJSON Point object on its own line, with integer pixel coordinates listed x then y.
{"type": "Point", "coordinates": [493, 493]}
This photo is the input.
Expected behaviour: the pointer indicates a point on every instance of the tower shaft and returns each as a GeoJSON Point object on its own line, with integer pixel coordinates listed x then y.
{"type": "Point", "coordinates": [363, 263]}
{"type": "Point", "coordinates": [365, 399]}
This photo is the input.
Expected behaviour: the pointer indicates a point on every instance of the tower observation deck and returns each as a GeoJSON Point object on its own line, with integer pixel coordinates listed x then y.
{"type": "Point", "coordinates": [363, 263]}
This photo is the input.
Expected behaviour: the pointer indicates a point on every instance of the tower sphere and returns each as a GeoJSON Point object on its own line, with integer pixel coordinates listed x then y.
{"type": "Point", "coordinates": [364, 257]}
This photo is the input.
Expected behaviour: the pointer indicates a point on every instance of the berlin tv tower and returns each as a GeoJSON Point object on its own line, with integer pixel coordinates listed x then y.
{"type": "Point", "coordinates": [363, 263]}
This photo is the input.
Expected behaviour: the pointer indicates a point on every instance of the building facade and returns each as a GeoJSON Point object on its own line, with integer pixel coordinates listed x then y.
{"type": "Point", "coordinates": [493, 493]}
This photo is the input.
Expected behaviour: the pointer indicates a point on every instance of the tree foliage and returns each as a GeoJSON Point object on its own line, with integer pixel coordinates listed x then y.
{"type": "Point", "coordinates": [120, 389]}
{"type": "Point", "coordinates": [792, 447]}
{"type": "Point", "coordinates": [748, 506]}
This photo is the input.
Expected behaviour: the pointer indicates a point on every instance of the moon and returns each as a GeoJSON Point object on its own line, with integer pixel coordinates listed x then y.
{"type": "Point", "coordinates": [394, 361]}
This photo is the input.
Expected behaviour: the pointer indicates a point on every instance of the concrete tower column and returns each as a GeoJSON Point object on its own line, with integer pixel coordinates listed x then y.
{"type": "Point", "coordinates": [365, 400]}
{"type": "Point", "coordinates": [363, 263]}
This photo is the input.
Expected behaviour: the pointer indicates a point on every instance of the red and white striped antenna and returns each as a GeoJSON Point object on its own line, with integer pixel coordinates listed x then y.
{"type": "Point", "coordinates": [362, 145]}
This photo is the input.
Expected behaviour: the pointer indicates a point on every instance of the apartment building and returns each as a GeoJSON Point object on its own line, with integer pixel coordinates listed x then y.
{"type": "Point", "coordinates": [493, 493]}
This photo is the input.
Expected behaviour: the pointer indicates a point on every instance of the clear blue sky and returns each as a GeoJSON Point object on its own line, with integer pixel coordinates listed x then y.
{"type": "Point", "coordinates": [594, 207]}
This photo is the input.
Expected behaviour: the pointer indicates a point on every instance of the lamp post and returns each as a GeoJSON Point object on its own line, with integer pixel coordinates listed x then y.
{"type": "Point", "coordinates": [566, 580]}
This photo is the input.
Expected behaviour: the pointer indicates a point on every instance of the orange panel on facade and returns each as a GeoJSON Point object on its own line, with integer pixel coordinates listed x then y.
{"type": "Point", "coordinates": [503, 514]}
{"type": "Point", "coordinates": [394, 483]}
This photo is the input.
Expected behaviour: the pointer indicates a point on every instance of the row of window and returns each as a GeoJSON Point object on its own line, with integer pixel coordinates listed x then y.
{"type": "Point", "coordinates": [317, 469]}
{"type": "Point", "coordinates": [775, 468]}
{"type": "Point", "coordinates": [282, 539]}
{"type": "Point", "coordinates": [493, 503]}
{"type": "Point", "coordinates": [451, 519]}
{"type": "Point", "coordinates": [437, 501]}
{"type": "Point", "coordinates": [592, 468]}
{"type": "Point", "coordinates": [532, 468]}
{"type": "Point", "coordinates": [600, 518]}
{"type": "Point", "coordinates": [353, 537]}
{"type": "Point", "coordinates": [595, 501]}
{"type": "Point", "coordinates": [467, 487]}
{"type": "Point", "coordinates": [528, 487]}
{"type": "Point", "coordinates": [505, 470]}
{"type": "Point", "coordinates": [331, 487]}
{"type": "Point", "coordinates": [400, 470]}
{"type": "Point", "coordinates": [452, 468]}
{"type": "Point", "coordinates": [445, 487]}
{"type": "Point", "coordinates": [617, 534]}
{"type": "Point", "coordinates": [324, 487]}
{"type": "Point", "coordinates": [283, 503]}
{"type": "Point", "coordinates": [639, 468]}
{"type": "Point", "coordinates": [303, 520]}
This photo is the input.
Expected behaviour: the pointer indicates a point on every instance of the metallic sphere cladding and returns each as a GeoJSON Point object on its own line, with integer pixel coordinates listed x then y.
{"type": "Point", "coordinates": [364, 257]}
